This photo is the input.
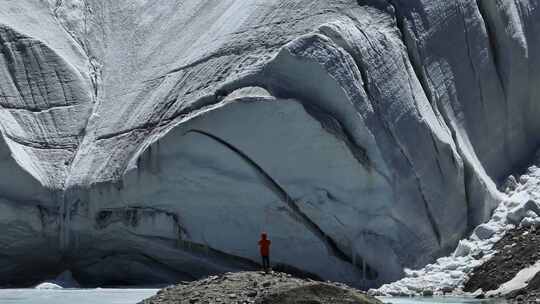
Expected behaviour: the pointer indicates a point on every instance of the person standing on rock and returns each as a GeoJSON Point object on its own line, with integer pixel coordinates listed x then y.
{"type": "Point", "coordinates": [264, 244]}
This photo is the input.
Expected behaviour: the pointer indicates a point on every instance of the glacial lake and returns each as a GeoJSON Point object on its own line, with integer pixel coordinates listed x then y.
{"type": "Point", "coordinates": [74, 296]}
{"type": "Point", "coordinates": [439, 300]}
{"type": "Point", "coordinates": [133, 296]}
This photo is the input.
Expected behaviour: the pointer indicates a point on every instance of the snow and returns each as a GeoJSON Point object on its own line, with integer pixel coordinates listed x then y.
{"type": "Point", "coordinates": [520, 281]}
{"type": "Point", "coordinates": [520, 207]}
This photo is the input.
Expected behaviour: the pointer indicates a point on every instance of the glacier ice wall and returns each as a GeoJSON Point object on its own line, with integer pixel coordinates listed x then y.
{"type": "Point", "coordinates": [151, 141]}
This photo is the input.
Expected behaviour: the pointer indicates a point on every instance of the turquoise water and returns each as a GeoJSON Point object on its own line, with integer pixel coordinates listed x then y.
{"type": "Point", "coordinates": [441, 300]}
{"type": "Point", "coordinates": [74, 296]}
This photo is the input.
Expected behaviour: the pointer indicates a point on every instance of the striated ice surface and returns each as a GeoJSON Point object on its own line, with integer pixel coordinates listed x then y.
{"type": "Point", "coordinates": [521, 207]}
{"type": "Point", "coordinates": [149, 142]}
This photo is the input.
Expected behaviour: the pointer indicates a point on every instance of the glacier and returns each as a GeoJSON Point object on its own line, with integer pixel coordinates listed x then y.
{"type": "Point", "coordinates": [147, 142]}
{"type": "Point", "coordinates": [519, 209]}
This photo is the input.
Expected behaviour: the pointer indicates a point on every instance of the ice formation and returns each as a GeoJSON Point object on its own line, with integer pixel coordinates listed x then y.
{"type": "Point", "coordinates": [521, 206]}
{"type": "Point", "coordinates": [151, 141]}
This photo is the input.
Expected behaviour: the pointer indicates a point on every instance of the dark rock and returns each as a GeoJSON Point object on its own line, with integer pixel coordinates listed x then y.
{"type": "Point", "coordinates": [317, 294]}
{"type": "Point", "coordinates": [478, 255]}
{"type": "Point", "coordinates": [446, 290]}
{"type": "Point", "coordinates": [280, 288]}
{"type": "Point", "coordinates": [516, 250]}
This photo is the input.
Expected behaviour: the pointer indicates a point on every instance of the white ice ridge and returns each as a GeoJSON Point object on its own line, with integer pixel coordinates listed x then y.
{"type": "Point", "coordinates": [448, 274]}
{"type": "Point", "coordinates": [160, 137]}
{"type": "Point", "coordinates": [48, 285]}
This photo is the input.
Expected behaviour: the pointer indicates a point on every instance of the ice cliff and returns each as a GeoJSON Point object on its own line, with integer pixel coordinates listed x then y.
{"type": "Point", "coordinates": [151, 141]}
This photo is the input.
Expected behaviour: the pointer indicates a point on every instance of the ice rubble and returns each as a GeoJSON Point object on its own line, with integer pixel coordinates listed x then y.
{"type": "Point", "coordinates": [48, 286]}
{"type": "Point", "coordinates": [64, 280]}
{"type": "Point", "coordinates": [520, 207]}
{"type": "Point", "coordinates": [158, 137]}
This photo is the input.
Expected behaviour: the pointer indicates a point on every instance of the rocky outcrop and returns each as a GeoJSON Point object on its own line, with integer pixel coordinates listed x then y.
{"type": "Point", "coordinates": [513, 272]}
{"type": "Point", "coordinates": [515, 251]}
{"type": "Point", "coordinates": [158, 139]}
{"type": "Point", "coordinates": [261, 288]}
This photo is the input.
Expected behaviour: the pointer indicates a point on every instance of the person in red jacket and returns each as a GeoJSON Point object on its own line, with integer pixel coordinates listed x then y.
{"type": "Point", "coordinates": [264, 244]}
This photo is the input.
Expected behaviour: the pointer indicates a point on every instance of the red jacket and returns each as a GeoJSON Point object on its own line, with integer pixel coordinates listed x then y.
{"type": "Point", "coordinates": [264, 244]}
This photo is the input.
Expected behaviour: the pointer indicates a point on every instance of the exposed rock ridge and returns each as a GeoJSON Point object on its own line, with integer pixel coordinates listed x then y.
{"type": "Point", "coordinates": [254, 287]}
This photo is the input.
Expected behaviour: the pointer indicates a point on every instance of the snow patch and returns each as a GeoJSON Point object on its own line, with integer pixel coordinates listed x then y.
{"type": "Point", "coordinates": [520, 281]}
